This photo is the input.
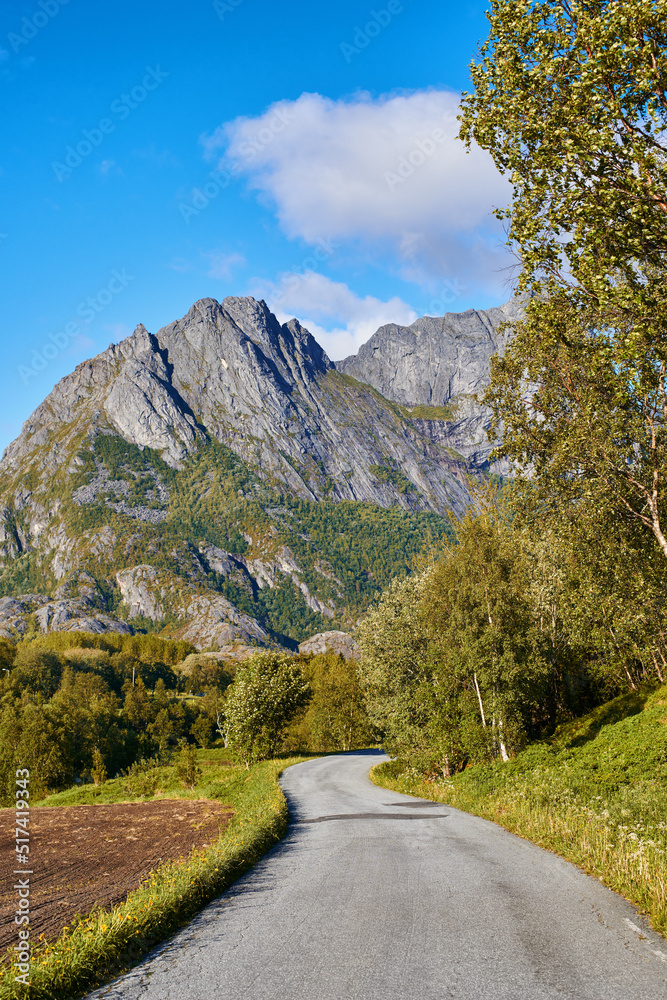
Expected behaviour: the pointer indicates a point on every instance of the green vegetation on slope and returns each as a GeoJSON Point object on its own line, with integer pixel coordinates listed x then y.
{"type": "Point", "coordinates": [106, 702]}
{"type": "Point", "coordinates": [347, 551]}
{"type": "Point", "coordinates": [387, 474]}
{"type": "Point", "coordinates": [366, 546]}
{"type": "Point", "coordinates": [518, 627]}
{"type": "Point", "coordinates": [424, 412]}
{"type": "Point", "coordinates": [595, 793]}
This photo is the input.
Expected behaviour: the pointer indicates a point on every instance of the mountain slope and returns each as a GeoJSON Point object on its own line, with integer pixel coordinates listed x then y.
{"type": "Point", "coordinates": [439, 363]}
{"type": "Point", "coordinates": [223, 479]}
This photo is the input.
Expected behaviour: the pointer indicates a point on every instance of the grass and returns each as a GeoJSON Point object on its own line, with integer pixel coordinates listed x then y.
{"type": "Point", "coordinates": [105, 943]}
{"type": "Point", "coordinates": [596, 794]}
{"type": "Point", "coordinates": [422, 412]}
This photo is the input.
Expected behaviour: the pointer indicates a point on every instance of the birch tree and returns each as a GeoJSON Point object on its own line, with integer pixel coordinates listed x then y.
{"type": "Point", "coordinates": [488, 637]}
{"type": "Point", "coordinates": [267, 692]}
{"type": "Point", "coordinates": [570, 101]}
{"type": "Point", "coordinates": [394, 639]}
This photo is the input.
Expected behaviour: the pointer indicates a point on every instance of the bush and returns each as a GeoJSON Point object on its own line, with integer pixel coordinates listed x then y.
{"type": "Point", "coordinates": [98, 770]}
{"type": "Point", "coordinates": [142, 778]}
{"type": "Point", "coordinates": [186, 764]}
{"type": "Point", "coordinates": [202, 731]}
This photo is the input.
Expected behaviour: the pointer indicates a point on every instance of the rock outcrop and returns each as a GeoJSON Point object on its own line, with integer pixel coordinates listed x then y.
{"type": "Point", "coordinates": [441, 362]}
{"type": "Point", "coordinates": [138, 588]}
{"type": "Point", "coordinates": [48, 615]}
{"type": "Point", "coordinates": [340, 643]}
{"type": "Point", "coordinates": [214, 621]}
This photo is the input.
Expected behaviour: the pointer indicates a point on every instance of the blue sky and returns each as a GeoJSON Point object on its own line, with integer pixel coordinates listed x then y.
{"type": "Point", "coordinates": [157, 152]}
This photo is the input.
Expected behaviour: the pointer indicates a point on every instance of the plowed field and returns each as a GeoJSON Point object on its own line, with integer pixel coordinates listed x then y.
{"type": "Point", "coordinates": [83, 855]}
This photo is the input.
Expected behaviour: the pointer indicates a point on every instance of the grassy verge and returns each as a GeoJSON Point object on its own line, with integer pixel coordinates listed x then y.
{"type": "Point", "coordinates": [596, 794]}
{"type": "Point", "coordinates": [107, 942]}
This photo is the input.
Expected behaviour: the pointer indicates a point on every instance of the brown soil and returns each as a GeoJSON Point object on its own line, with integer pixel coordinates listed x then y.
{"type": "Point", "coordinates": [97, 854]}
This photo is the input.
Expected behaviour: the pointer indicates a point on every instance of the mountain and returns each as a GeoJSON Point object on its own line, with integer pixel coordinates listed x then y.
{"type": "Point", "coordinates": [222, 480]}
{"type": "Point", "coordinates": [439, 363]}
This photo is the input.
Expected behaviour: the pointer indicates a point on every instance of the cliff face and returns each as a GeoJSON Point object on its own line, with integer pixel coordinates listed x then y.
{"type": "Point", "coordinates": [440, 362]}
{"type": "Point", "coordinates": [231, 372]}
{"type": "Point", "coordinates": [191, 466]}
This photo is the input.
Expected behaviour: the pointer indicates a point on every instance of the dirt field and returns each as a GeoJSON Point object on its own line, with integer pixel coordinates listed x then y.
{"type": "Point", "coordinates": [82, 855]}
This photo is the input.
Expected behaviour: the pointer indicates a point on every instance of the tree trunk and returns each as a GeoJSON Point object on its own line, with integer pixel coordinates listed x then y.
{"type": "Point", "coordinates": [479, 698]}
{"type": "Point", "coordinates": [219, 729]}
{"type": "Point", "coordinates": [657, 667]}
{"type": "Point", "coordinates": [501, 743]}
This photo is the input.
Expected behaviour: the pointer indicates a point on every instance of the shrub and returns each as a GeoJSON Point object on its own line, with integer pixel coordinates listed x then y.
{"type": "Point", "coordinates": [142, 778]}
{"type": "Point", "coordinates": [186, 764]}
{"type": "Point", "coordinates": [98, 770]}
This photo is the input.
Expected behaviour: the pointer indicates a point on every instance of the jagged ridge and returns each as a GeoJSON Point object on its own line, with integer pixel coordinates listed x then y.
{"type": "Point", "coordinates": [126, 472]}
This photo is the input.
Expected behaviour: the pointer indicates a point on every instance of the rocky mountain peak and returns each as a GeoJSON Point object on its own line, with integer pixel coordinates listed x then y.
{"type": "Point", "coordinates": [258, 428]}
{"type": "Point", "coordinates": [436, 358]}
{"type": "Point", "coordinates": [142, 337]}
{"type": "Point", "coordinates": [436, 367]}
{"type": "Point", "coordinates": [254, 318]}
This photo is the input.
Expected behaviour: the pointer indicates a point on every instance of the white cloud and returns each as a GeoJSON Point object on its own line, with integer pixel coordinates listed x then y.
{"type": "Point", "coordinates": [180, 264]}
{"type": "Point", "coordinates": [118, 331]}
{"type": "Point", "coordinates": [222, 264]}
{"type": "Point", "coordinates": [339, 319]}
{"type": "Point", "coordinates": [387, 173]}
{"type": "Point", "coordinates": [80, 344]}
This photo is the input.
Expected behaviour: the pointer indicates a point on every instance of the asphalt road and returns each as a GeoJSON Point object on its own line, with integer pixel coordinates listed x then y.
{"type": "Point", "coordinates": [377, 896]}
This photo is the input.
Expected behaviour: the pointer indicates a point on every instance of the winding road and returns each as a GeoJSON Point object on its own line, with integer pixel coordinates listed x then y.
{"type": "Point", "coordinates": [374, 895]}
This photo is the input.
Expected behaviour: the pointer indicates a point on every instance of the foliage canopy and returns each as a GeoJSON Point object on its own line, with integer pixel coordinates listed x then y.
{"type": "Point", "coordinates": [570, 101]}
{"type": "Point", "coordinates": [268, 691]}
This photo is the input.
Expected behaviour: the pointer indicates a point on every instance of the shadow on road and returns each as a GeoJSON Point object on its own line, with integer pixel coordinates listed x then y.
{"type": "Point", "coordinates": [373, 815]}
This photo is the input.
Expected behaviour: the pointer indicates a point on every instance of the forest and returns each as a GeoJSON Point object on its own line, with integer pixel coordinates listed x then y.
{"type": "Point", "coordinates": [79, 708]}
{"type": "Point", "coordinates": [516, 628]}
